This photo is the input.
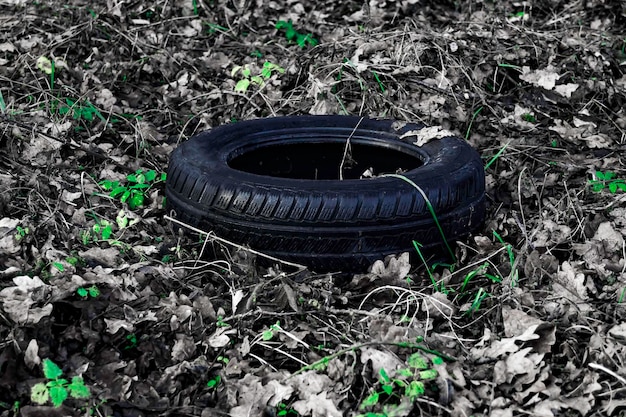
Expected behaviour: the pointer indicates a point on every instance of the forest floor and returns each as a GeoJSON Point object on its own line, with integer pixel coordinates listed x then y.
{"type": "Point", "coordinates": [530, 320]}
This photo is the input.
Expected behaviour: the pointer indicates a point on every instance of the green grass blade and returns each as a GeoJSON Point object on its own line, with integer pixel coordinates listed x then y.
{"type": "Point", "coordinates": [52, 74]}
{"type": "Point", "coordinates": [430, 274]}
{"type": "Point", "coordinates": [496, 156]}
{"type": "Point", "coordinates": [430, 208]}
{"type": "Point", "coordinates": [472, 122]}
{"type": "Point", "coordinates": [3, 106]}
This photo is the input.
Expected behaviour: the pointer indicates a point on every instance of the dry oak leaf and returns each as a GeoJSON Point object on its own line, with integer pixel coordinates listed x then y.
{"type": "Point", "coordinates": [8, 244]}
{"type": "Point", "coordinates": [540, 337]}
{"type": "Point", "coordinates": [545, 78]}
{"type": "Point", "coordinates": [18, 301]}
{"type": "Point", "coordinates": [249, 396]}
{"type": "Point", "coordinates": [516, 321]}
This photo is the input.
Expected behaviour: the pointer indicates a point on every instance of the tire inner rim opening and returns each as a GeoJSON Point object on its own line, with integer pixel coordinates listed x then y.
{"type": "Point", "coordinates": [322, 160]}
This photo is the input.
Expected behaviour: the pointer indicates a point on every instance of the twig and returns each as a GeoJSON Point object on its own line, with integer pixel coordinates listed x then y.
{"type": "Point", "coordinates": [608, 371]}
{"type": "Point", "coordinates": [228, 242]}
{"type": "Point", "coordinates": [72, 143]}
{"type": "Point", "coordinates": [345, 150]}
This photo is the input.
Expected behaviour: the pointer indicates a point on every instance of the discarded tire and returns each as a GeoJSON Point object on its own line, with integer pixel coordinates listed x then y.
{"type": "Point", "coordinates": [274, 185]}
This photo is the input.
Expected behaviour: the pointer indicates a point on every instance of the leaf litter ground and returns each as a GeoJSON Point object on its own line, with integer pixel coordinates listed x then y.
{"type": "Point", "coordinates": [529, 321]}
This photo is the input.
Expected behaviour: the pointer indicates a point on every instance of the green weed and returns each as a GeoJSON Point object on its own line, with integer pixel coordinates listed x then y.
{"type": "Point", "coordinates": [293, 35]}
{"type": "Point", "coordinates": [213, 28]}
{"type": "Point", "coordinates": [21, 232]}
{"type": "Point", "coordinates": [283, 410]}
{"type": "Point", "coordinates": [131, 341]}
{"type": "Point", "coordinates": [496, 156]}
{"type": "Point", "coordinates": [47, 66]}
{"type": "Point", "coordinates": [380, 83]}
{"type": "Point", "coordinates": [515, 67]}
{"type": "Point", "coordinates": [102, 230]}
{"type": "Point", "coordinates": [607, 179]}
{"type": "Point", "coordinates": [57, 389]}
{"type": "Point", "coordinates": [509, 250]}
{"type": "Point", "coordinates": [529, 118]}
{"type": "Point", "coordinates": [221, 323]}
{"type": "Point", "coordinates": [135, 189]}
{"type": "Point", "coordinates": [259, 79]}
{"type": "Point", "coordinates": [406, 386]}
{"type": "Point", "coordinates": [214, 382]}
{"type": "Point", "coordinates": [479, 297]}
{"type": "Point", "coordinates": [430, 209]}
{"type": "Point", "coordinates": [15, 407]}
{"type": "Point", "coordinates": [269, 333]}
{"type": "Point", "coordinates": [438, 288]}
{"type": "Point", "coordinates": [79, 109]}
{"type": "Point", "coordinates": [469, 128]}
{"type": "Point", "coordinates": [86, 292]}
{"type": "Point", "coordinates": [59, 266]}
{"type": "Point", "coordinates": [3, 106]}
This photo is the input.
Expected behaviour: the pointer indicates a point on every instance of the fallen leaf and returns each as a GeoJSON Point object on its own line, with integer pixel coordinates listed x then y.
{"type": "Point", "coordinates": [380, 360]}
{"type": "Point", "coordinates": [220, 338]}
{"type": "Point", "coordinates": [8, 244]}
{"type": "Point", "coordinates": [619, 332]}
{"type": "Point", "coordinates": [31, 355]}
{"type": "Point", "coordinates": [516, 321]}
{"type": "Point", "coordinates": [611, 238]}
{"type": "Point", "coordinates": [566, 90]}
{"type": "Point", "coordinates": [184, 348]}
{"type": "Point", "coordinates": [545, 78]}
{"type": "Point", "coordinates": [422, 136]}
{"type": "Point", "coordinates": [18, 301]}
{"type": "Point", "coordinates": [571, 281]}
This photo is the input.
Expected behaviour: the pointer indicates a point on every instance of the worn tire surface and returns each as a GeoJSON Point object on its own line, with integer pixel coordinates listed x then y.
{"type": "Point", "coordinates": [273, 184]}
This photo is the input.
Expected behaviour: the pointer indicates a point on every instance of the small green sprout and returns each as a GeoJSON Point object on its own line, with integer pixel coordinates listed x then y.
{"type": "Point", "coordinates": [408, 383]}
{"type": "Point", "coordinates": [248, 78]}
{"type": "Point", "coordinates": [214, 382]}
{"type": "Point", "coordinates": [221, 323]}
{"type": "Point", "coordinates": [529, 117]}
{"type": "Point", "coordinates": [134, 191]}
{"type": "Point", "coordinates": [80, 110]}
{"type": "Point", "coordinates": [21, 232]}
{"type": "Point", "coordinates": [131, 341]}
{"type": "Point", "coordinates": [86, 292]}
{"type": "Point", "coordinates": [214, 28]}
{"type": "Point", "coordinates": [103, 228]}
{"type": "Point", "coordinates": [607, 179]}
{"type": "Point", "coordinates": [269, 333]}
{"type": "Point", "coordinates": [283, 410]}
{"type": "Point", "coordinates": [15, 407]}
{"type": "Point", "coordinates": [293, 35]}
{"type": "Point", "coordinates": [46, 66]}
{"type": "Point", "coordinates": [57, 389]}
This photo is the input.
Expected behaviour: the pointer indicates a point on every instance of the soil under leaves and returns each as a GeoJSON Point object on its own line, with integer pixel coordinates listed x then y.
{"type": "Point", "coordinates": [531, 320]}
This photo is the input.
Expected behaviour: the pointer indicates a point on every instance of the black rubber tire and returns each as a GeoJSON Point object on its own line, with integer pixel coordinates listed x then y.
{"type": "Point", "coordinates": [251, 183]}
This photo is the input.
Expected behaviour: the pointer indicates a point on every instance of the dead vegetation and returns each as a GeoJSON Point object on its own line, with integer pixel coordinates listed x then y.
{"type": "Point", "coordinates": [530, 320]}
